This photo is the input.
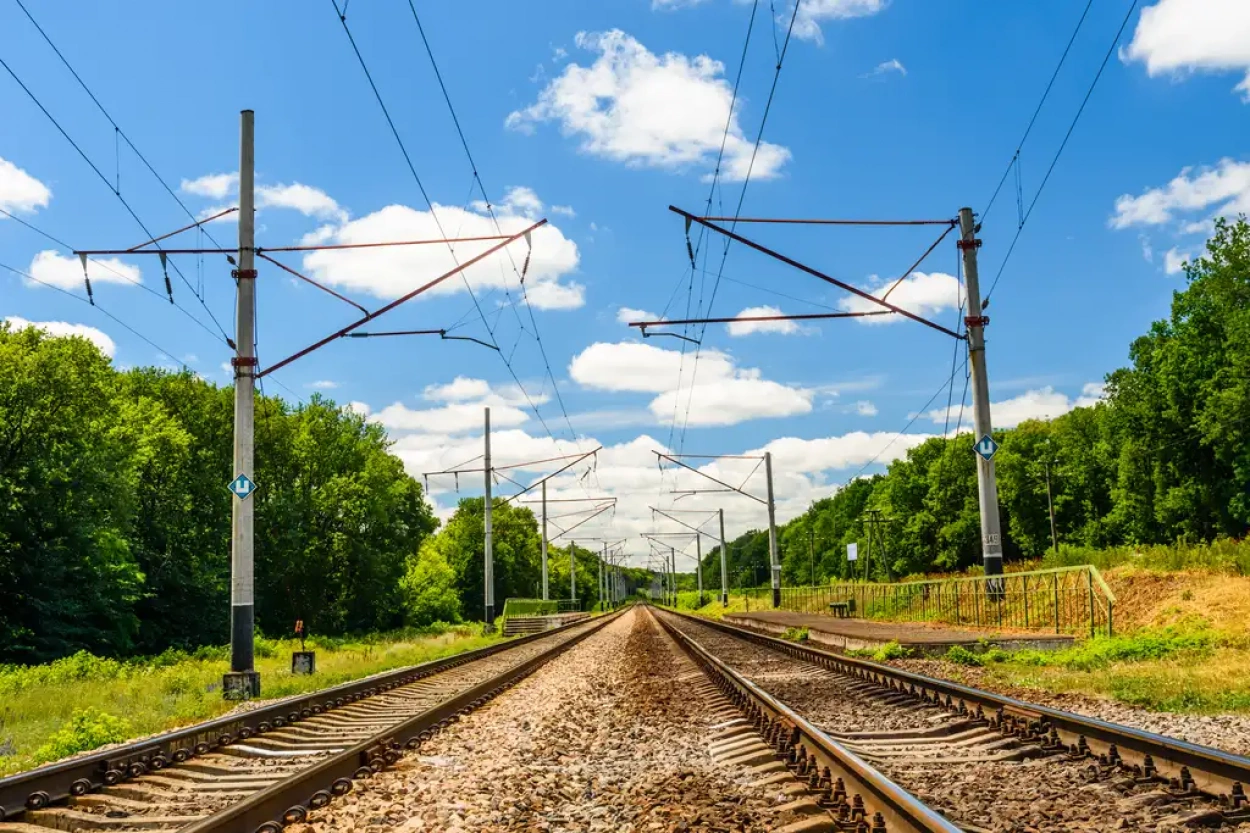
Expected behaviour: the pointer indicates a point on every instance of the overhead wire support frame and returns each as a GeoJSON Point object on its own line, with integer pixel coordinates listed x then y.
{"type": "Point", "coordinates": [816, 273]}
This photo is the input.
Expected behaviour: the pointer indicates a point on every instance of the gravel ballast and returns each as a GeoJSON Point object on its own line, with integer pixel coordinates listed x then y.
{"type": "Point", "coordinates": [610, 736]}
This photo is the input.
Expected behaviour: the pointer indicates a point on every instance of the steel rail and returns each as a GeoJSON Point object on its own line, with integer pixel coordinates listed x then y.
{"type": "Point", "coordinates": [848, 787]}
{"type": "Point", "coordinates": [40, 788]}
{"type": "Point", "coordinates": [290, 800]}
{"type": "Point", "coordinates": [1213, 772]}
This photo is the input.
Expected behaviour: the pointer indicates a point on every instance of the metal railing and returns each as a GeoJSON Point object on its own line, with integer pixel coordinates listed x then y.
{"type": "Point", "coordinates": [1065, 600]}
{"type": "Point", "coordinates": [529, 607]}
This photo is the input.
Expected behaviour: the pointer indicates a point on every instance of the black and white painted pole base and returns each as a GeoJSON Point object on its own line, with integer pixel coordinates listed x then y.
{"type": "Point", "coordinates": [303, 662]}
{"type": "Point", "coordinates": [240, 685]}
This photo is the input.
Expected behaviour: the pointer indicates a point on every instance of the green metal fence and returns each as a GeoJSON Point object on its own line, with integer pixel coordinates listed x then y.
{"type": "Point", "coordinates": [529, 607]}
{"type": "Point", "coordinates": [1072, 600]}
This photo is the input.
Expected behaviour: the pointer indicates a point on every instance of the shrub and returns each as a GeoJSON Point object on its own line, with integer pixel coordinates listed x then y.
{"type": "Point", "coordinates": [891, 650]}
{"type": "Point", "coordinates": [88, 729]}
{"type": "Point", "coordinates": [796, 634]}
{"type": "Point", "coordinates": [960, 655]}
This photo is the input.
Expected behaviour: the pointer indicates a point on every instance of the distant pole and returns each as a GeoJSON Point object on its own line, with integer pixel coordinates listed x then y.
{"type": "Point", "coordinates": [572, 571]}
{"type": "Point", "coordinates": [243, 681]}
{"type": "Point", "coordinates": [1050, 507]}
{"type": "Point", "coordinates": [488, 571]}
{"type": "Point", "coordinates": [698, 554]}
{"type": "Point", "coordinates": [603, 576]}
{"type": "Point", "coordinates": [545, 596]}
{"type": "Point", "coordinates": [987, 484]}
{"type": "Point", "coordinates": [774, 561]}
{"type": "Point", "coordinates": [724, 562]}
{"type": "Point", "coordinates": [672, 571]}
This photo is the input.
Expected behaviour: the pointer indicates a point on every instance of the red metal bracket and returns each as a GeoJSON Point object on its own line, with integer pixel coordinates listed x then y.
{"type": "Point", "coordinates": [244, 361]}
{"type": "Point", "coordinates": [242, 273]}
{"type": "Point", "coordinates": [968, 244]}
{"type": "Point", "coordinates": [976, 321]}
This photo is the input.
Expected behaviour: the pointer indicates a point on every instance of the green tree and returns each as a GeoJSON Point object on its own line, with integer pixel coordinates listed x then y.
{"type": "Point", "coordinates": [429, 586]}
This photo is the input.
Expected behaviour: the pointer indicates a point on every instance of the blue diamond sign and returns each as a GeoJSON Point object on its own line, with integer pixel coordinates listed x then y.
{"type": "Point", "coordinates": [242, 486]}
{"type": "Point", "coordinates": [986, 447]}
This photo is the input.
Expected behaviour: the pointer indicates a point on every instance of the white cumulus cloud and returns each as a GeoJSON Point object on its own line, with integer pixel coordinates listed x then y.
{"type": "Point", "coordinates": [813, 12]}
{"type": "Point", "coordinates": [213, 186]}
{"type": "Point", "coordinates": [865, 408]}
{"type": "Point", "coordinates": [388, 272]}
{"type": "Point", "coordinates": [924, 293]}
{"type": "Point", "coordinates": [745, 328]}
{"type": "Point", "coordinates": [1174, 36]}
{"type": "Point", "coordinates": [886, 67]}
{"type": "Point", "coordinates": [1223, 189]}
{"type": "Point", "coordinates": [65, 272]}
{"type": "Point", "coordinates": [627, 314]}
{"type": "Point", "coordinates": [664, 111]}
{"type": "Point", "coordinates": [19, 191]}
{"type": "Point", "coordinates": [723, 393]}
{"type": "Point", "coordinates": [64, 328]}
{"type": "Point", "coordinates": [307, 200]}
{"type": "Point", "coordinates": [1174, 261]}
{"type": "Point", "coordinates": [1043, 403]}
{"type": "Point", "coordinates": [322, 384]}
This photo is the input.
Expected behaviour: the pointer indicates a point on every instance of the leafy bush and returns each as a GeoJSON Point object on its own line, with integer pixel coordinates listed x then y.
{"type": "Point", "coordinates": [960, 655]}
{"type": "Point", "coordinates": [891, 650]}
{"type": "Point", "coordinates": [88, 729]}
{"type": "Point", "coordinates": [796, 634]}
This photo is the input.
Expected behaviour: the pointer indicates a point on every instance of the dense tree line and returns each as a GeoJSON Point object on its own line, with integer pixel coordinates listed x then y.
{"type": "Point", "coordinates": [115, 518]}
{"type": "Point", "coordinates": [1165, 457]}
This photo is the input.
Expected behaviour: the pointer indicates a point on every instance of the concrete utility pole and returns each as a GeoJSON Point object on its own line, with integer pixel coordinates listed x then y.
{"type": "Point", "coordinates": [987, 484]}
{"type": "Point", "coordinates": [811, 552]}
{"type": "Point", "coordinates": [545, 597]}
{"type": "Point", "coordinates": [488, 570]}
{"type": "Point", "coordinates": [603, 560]}
{"type": "Point", "coordinates": [773, 559]}
{"type": "Point", "coordinates": [572, 570]}
{"type": "Point", "coordinates": [724, 562]}
{"type": "Point", "coordinates": [672, 566]}
{"type": "Point", "coordinates": [243, 681]}
{"type": "Point", "coordinates": [698, 564]}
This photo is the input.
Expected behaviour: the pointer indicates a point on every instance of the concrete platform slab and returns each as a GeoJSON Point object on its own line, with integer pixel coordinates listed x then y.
{"type": "Point", "coordinates": [921, 637]}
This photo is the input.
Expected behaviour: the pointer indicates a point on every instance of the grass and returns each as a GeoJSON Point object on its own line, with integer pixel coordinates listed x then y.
{"type": "Point", "coordinates": [83, 701]}
{"type": "Point", "coordinates": [1185, 667]}
{"type": "Point", "coordinates": [888, 651]}
{"type": "Point", "coordinates": [796, 634]}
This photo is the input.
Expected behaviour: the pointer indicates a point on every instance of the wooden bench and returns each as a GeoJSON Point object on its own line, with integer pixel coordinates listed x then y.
{"type": "Point", "coordinates": [843, 610]}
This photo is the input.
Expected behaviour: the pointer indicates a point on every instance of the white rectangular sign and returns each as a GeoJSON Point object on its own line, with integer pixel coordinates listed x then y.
{"type": "Point", "coordinates": [852, 552]}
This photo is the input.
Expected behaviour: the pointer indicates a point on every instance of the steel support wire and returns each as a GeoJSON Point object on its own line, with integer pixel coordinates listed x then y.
{"type": "Point", "coordinates": [847, 785]}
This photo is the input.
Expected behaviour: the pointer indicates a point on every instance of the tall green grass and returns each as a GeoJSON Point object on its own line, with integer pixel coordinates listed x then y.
{"type": "Point", "coordinates": [1224, 556]}
{"type": "Point", "coordinates": [83, 701]}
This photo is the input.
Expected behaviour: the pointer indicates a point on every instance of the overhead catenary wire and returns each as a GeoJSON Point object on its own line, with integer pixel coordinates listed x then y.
{"type": "Point", "coordinates": [129, 209]}
{"type": "Point", "coordinates": [477, 176]}
{"type": "Point", "coordinates": [433, 214]}
{"type": "Point", "coordinates": [1068, 135]}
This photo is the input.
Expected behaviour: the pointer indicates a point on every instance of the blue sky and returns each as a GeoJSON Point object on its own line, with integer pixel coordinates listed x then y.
{"type": "Point", "coordinates": [597, 117]}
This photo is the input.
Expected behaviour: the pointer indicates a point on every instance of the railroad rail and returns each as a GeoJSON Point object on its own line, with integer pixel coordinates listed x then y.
{"type": "Point", "coordinates": [262, 769]}
{"type": "Point", "coordinates": [853, 792]}
{"type": "Point", "coordinates": [1023, 729]}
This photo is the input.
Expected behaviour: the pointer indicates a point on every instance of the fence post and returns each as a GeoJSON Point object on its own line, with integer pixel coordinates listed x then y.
{"type": "Point", "coordinates": [958, 612]}
{"type": "Point", "coordinates": [1056, 586]}
{"type": "Point", "coordinates": [1089, 579]}
{"type": "Point", "coordinates": [976, 602]}
{"type": "Point", "coordinates": [1025, 577]}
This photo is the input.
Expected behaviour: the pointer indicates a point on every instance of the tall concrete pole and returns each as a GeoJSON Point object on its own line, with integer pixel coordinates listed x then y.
{"type": "Point", "coordinates": [572, 571]}
{"type": "Point", "coordinates": [987, 484]}
{"type": "Point", "coordinates": [602, 560]}
{"type": "Point", "coordinates": [774, 561]}
{"type": "Point", "coordinates": [545, 596]}
{"type": "Point", "coordinates": [488, 567]}
{"type": "Point", "coordinates": [698, 564]}
{"type": "Point", "coordinates": [724, 562]}
{"type": "Point", "coordinates": [243, 682]}
{"type": "Point", "coordinates": [672, 571]}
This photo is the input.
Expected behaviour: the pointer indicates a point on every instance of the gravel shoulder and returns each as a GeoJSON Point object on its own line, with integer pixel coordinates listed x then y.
{"type": "Point", "coordinates": [606, 737]}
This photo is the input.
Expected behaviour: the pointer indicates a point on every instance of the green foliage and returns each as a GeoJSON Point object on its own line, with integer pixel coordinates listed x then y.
{"type": "Point", "coordinates": [891, 650]}
{"type": "Point", "coordinates": [88, 729]}
{"type": "Point", "coordinates": [115, 523]}
{"type": "Point", "coordinates": [960, 655]}
{"type": "Point", "coordinates": [796, 634]}
{"type": "Point", "coordinates": [429, 587]}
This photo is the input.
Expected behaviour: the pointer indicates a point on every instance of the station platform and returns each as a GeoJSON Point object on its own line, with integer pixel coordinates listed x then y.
{"type": "Point", "coordinates": [922, 638]}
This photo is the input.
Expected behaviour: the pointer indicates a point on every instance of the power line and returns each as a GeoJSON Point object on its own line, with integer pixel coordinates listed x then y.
{"type": "Point", "coordinates": [1025, 218]}
{"type": "Point", "coordinates": [430, 204]}
{"type": "Point", "coordinates": [121, 323]}
{"type": "Point", "coordinates": [116, 128]}
{"type": "Point", "coordinates": [108, 268]}
{"type": "Point", "coordinates": [759, 136]}
{"type": "Point", "coordinates": [491, 211]}
{"type": "Point", "coordinates": [1020, 145]}
{"type": "Point", "coordinates": [113, 188]}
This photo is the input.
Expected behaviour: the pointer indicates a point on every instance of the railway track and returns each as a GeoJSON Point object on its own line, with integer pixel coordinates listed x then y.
{"type": "Point", "coordinates": [984, 761]}
{"type": "Point", "coordinates": [261, 770]}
